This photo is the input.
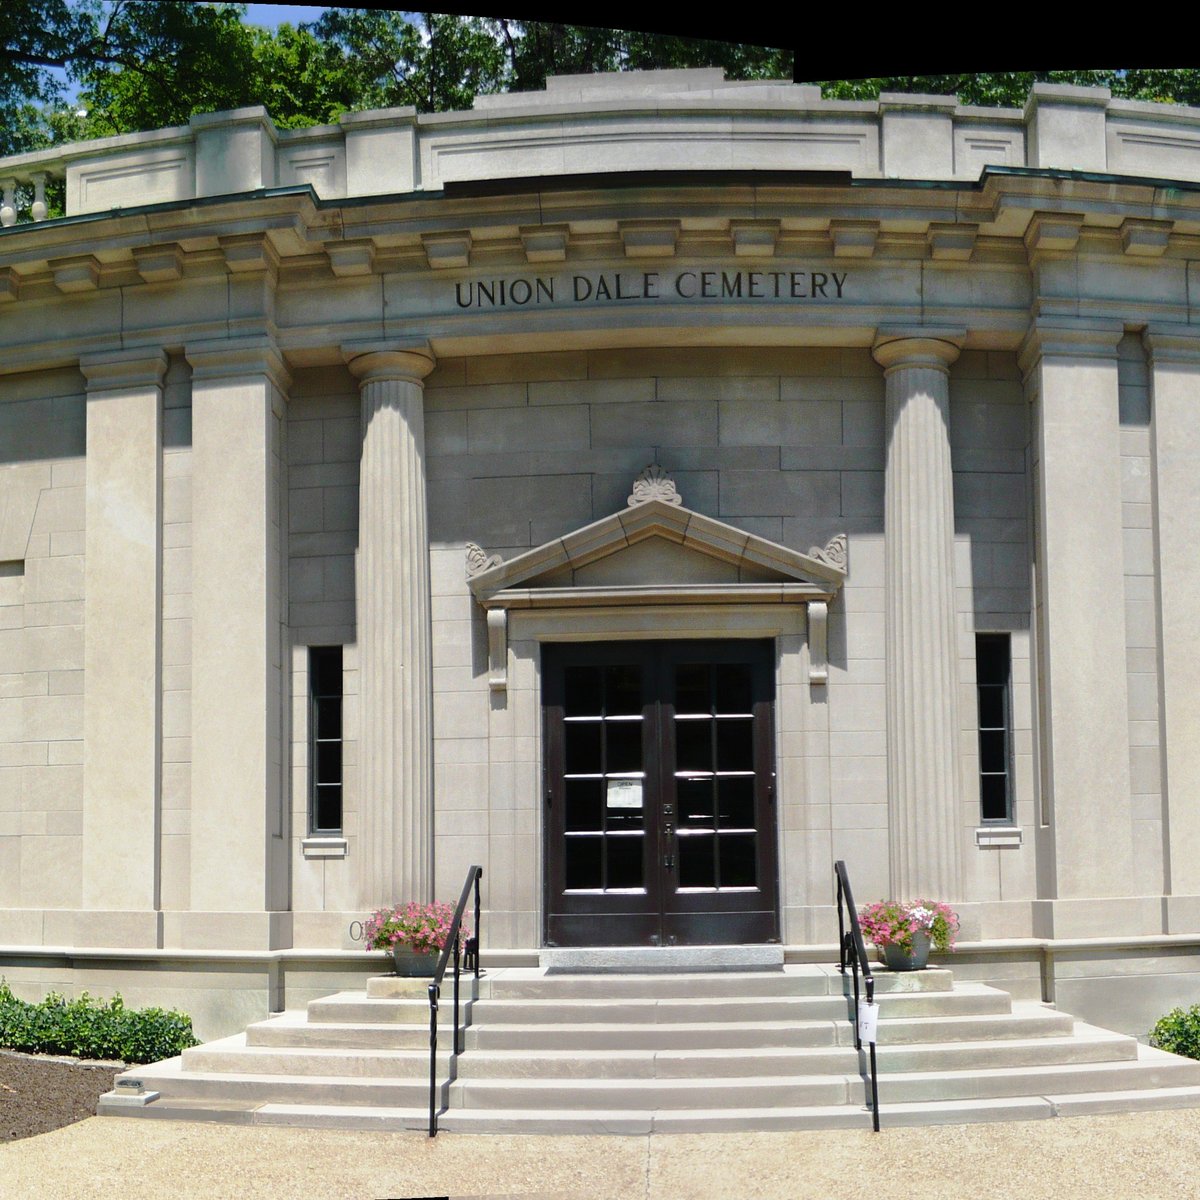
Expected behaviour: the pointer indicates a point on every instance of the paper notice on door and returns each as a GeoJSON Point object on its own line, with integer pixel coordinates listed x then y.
{"type": "Point", "coordinates": [624, 793]}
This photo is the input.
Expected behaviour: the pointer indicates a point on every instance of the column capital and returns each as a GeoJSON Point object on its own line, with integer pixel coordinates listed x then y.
{"type": "Point", "coordinates": [119, 369]}
{"type": "Point", "coordinates": [235, 358]}
{"type": "Point", "coordinates": [917, 346]}
{"type": "Point", "coordinates": [1177, 344]}
{"type": "Point", "coordinates": [1065, 338]}
{"type": "Point", "coordinates": [400, 359]}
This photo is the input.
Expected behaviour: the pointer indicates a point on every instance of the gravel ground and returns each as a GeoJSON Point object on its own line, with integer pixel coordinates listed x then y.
{"type": "Point", "coordinates": [38, 1094]}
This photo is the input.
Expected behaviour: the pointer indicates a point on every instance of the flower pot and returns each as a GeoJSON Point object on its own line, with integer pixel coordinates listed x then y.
{"type": "Point", "coordinates": [411, 965]}
{"type": "Point", "coordinates": [896, 960]}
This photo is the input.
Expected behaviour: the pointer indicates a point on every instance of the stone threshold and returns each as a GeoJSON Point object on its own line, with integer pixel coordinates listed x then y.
{"type": "Point", "coordinates": [642, 960]}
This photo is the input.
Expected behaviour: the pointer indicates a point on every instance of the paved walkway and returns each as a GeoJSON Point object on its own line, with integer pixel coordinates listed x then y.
{"type": "Point", "coordinates": [1137, 1156]}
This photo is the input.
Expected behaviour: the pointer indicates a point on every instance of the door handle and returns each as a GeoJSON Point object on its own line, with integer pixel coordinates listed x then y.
{"type": "Point", "coordinates": [669, 862]}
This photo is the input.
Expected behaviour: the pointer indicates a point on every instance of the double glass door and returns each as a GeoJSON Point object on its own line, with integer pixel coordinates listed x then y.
{"type": "Point", "coordinates": [659, 793]}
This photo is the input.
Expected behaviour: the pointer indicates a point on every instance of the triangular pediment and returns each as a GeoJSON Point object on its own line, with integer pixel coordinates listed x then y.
{"type": "Point", "coordinates": [657, 543]}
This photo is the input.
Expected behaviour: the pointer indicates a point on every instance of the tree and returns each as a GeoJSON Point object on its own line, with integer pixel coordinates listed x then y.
{"type": "Point", "coordinates": [143, 65]}
{"type": "Point", "coordinates": [432, 62]}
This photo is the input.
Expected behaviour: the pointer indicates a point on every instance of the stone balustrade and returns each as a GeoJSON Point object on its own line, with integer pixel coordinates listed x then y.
{"type": "Point", "coordinates": [586, 124]}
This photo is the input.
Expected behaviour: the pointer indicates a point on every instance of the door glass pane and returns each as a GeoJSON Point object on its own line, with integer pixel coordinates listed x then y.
{"type": "Point", "coordinates": [733, 688]}
{"type": "Point", "coordinates": [584, 801]}
{"type": "Point", "coordinates": [696, 866]}
{"type": "Point", "coordinates": [583, 862]}
{"type": "Point", "coordinates": [624, 862]}
{"type": "Point", "coordinates": [583, 696]}
{"type": "Point", "coordinates": [693, 746]}
{"type": "Point", "coordinates": [735, 801]}
{"type": "Point", "coordinates": [735, 745]}
{"type": "Point", "coordinates": [692, 693]}
{"type": "Point", "coordinates": [694, 798]}
{"type": "Point", "coordinates": [737, 860]}
{"type": "Point", "coordinates": [624, 803]}
{"type": "Point", "coordinates": [624, 740]}
{"type": "Point", "coordinates": [623, 691]}
{"type": "Point", "coordinates": [582, 743]}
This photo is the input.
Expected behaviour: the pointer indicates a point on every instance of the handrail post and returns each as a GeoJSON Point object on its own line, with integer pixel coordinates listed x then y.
{"type": "Point", "coordinates": [434, 991]}
{"type": "Point", "coordinates": [478, 910]}
{"type": "Point", "coordinates": [457, 957]}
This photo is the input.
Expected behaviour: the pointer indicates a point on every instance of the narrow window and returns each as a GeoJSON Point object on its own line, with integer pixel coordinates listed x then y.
{"type": "Point", "coordinates": [325, 739]}
{"type": "Point", "coordinates": [993, 673]}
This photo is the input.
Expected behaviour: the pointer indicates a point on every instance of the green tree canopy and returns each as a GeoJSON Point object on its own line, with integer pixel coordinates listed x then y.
{"type": "Point", "coordinates": [143, 64]}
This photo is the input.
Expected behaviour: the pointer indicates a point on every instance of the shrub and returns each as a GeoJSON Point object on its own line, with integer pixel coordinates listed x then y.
{"type": "Point", "coordinates": [87, 1028]}
{"type": "Point", "coordinates": [1178, 1032]}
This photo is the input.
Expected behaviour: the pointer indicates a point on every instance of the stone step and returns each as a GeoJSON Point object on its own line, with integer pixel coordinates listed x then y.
{"type": "Point", "coordinates": [1085, 1104]}
{"type": "Point", "coordinates": [1143, 1072]}
{"type": "Point", "coordinates": [346, 1007]}
{"type": "Point", "coordinates": [294, 1030]}
{"type": "Point", "coordinates": [1097, 1046]}
{"type": "Point", "coordinates": [761, 1119]}
{"type": "Point", "coordinates": [968, 999]}
{"type": "Point", "coordinates": [1026, 1019]}
{"type": "Point", "coordinates": [616, 1036]}
{"type": "Point", "coordinates": [305, 1116]}
{"type": "Point", "coordinates": [250, 1090]}
{"type": "Point", "coordinates": [234, 1056]}
{"type": "Point", "coordinates": [640, 1095]}
{"type": "Point", "coordinates": [1029, 1021]}
{"type": "Point", "coordinates": [800, 980]}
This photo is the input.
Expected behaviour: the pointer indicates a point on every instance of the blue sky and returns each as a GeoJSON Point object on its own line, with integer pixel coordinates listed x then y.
{"type": "Point", "coordinates": [274, 15]}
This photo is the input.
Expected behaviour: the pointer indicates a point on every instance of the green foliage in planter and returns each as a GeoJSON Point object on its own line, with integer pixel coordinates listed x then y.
{"type": "Point", "coordinates": [87, 1028]}
{"type": "Point", "coordinates": [1178, 1032]}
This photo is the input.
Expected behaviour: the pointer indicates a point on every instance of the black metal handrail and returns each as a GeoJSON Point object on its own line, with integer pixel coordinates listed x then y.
{"type": "Point", "coordinates": [852, 951]}
{"type": "Point", "coordinates": [456, 949]}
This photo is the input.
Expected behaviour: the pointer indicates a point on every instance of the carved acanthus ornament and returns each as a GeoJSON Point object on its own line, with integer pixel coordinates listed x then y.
{"type": "Point", "coordinates": [834, 554]}
{"type": "Point", "coordinates": [478, 560]}
{"type": "Point", "coordinates": [654, 484]}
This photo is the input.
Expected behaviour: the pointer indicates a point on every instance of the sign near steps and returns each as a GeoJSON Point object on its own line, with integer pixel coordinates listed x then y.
{"type": "Point", "coordinates": [868, 1022]}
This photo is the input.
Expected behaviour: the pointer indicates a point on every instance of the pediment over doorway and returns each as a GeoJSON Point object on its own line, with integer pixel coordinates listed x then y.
{"type": "Point", "coordinates": [656, 551]}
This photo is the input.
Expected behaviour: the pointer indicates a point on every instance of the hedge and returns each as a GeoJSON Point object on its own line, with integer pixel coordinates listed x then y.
{"type": "Point", "coordinates": [87, 1028]}
{"type": "Point", "coordinates": [1178, 1032]}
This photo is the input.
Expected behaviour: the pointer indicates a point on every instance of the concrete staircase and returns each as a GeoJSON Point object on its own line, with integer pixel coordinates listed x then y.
{"type": "Point", "coordinates": [670, 1052]}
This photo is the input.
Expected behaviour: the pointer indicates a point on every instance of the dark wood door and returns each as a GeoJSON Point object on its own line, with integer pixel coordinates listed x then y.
{"type": "Point", "coordinates": [660, 807]}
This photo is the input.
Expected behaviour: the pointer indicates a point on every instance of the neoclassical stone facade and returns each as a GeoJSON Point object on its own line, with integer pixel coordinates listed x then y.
{"type": "Point", "coordinates": [651, 489]}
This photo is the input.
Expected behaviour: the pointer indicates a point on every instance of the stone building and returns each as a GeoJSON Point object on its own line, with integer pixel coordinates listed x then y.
{"type": "Point", "coordinates": [651, 490]}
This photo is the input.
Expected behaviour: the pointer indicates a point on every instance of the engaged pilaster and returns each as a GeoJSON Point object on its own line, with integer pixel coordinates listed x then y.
{"type": "Point", "coordinates": [238, 836]}
{"type": "Point", "coordinates": [121, 648]}
{"type": "Point", "coordinates": [1175, 449]}
{"type": "Point", "coordinates": [921, 650]}
{"type": "Point", "coordinates": [395, 646]}
{"type": "Point", "coordinates": [1071, 373]}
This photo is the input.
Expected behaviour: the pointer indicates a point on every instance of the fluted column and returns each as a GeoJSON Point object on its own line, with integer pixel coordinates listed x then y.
{"type": "Point", "coordinates": [395, 845]}
{"type": "Point", "coordinates": [921, 650]}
